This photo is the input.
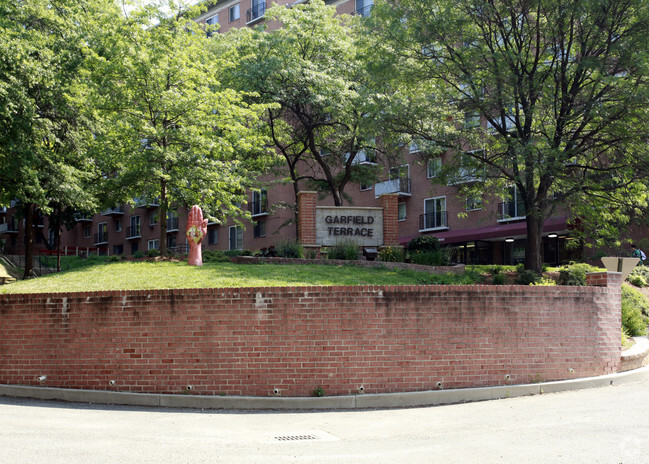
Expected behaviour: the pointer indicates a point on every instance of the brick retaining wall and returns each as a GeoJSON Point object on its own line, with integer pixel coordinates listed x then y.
{"type": "Point", "coordinates": [250, 341]}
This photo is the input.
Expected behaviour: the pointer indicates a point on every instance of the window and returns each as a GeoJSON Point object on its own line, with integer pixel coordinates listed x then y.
{"type": "Point", "coordinates": [257, 10]}
{"type": "Point", "coordinates": [153, 244]}
{"type": "Point", "coordinates": [400, 172]}
{"type": "Point", "coordinates": [471, 120]}
{"type": "Point", "coordinates": [118, 225]}
{"type": "Point", "coordinates": [414, 146]}
{"type": "Point", "coordinates": [363, 7]}
{"type": "Point", "coordinates": [260, 229]}
{"type": "Point", "coordinates": [172, 221]}
{"type": "Point", "coordinates": [86, 231]}
{"type": "Point", "coordinates": [433, 167]}
{"type": "Point", "coordinates": [134, 247]}
{"type": "Point", "coordinates": [234, 12]}
{"type": "Point", "coordinates": [171, 242]}
{"type": "Point", "coordinates": [402, 211]}
{"type": "Point", "coordinates": [513, 208]}
{"type": "Point", "coordinates": [134, 228]}
{"type": "Point", "coordinates": [212, 235]}
{"type": "Point", "coordinates": [212, 21]}
{"type": "Point", "coordinates": [236, 238]}
{"type": "Point", "coordinates": [153, 219]}
{"type": "Point", "coordinates": [474, 203]}
{"type": "Point", "coordinates": [102, 232]}
{"type": "Point", "coordinates": [366, 186]}
{"type": "Point", "coordinates": [435, 216]}
{"type": "Point", "coordinates": [259, 203]}
{"type": "Point", "coordinates": [118, 249]}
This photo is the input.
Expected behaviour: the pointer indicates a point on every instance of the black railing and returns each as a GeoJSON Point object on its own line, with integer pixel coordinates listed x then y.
{"type": "Point", "coordinates": [365, 11]}
{"type": "Point", "coordinates": [511, 210]}
{"type": "Point", "coordinates": [118, 210]}
{"type": "Point", "coordinates": [172, 224]}
{"type": "Point", "coordinates": [101, 238]}
{"type": "Point", "coordinates": [433, 220]}
{"type": "Point", "coordinates": [133, 232]}
{"type": "Point", "coordinates": [257, 11]}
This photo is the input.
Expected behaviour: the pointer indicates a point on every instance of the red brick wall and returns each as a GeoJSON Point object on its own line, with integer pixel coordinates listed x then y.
{"type": "Point", "coordinates": [250, 341]}
{"type": "Point", "coordinates": [306, 218]}
{"type": "Point", "coordinates": [390, 205]}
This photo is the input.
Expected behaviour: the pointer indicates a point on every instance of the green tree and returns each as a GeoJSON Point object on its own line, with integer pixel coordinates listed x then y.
{"type": "Point", "coordinates": [323, 114]}
{"type": "Point", "coordinates": [559, 85]}
{"type": "Point", "coordinates": [177, 135]}
{"type": "Point", "coordinates": [44, 131]}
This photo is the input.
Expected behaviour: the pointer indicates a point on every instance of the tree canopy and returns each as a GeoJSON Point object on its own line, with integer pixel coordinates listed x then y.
{"type": "Point", "coordinates": [554, 93]}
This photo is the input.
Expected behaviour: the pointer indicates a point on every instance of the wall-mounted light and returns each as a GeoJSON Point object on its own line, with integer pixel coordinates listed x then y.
{"type": "Point", "coordinates": [552, 235]}
{"type": "Point", "coordinates": [509, 239]}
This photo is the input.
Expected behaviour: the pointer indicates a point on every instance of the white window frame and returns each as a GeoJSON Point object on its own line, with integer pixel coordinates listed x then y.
{"type": "Point", "coordinates": [87, 231]}
{"type": "Point", "coordinates": [212, 20]}
{"type": "Point", "coordinates": [473, 203]}
{"type": "Point", "coordinates": [435, 211]}
{"type": "Point", "coordinates": [433, 167]}
{"type": "Point", "coordinates": [238, 238]}
{"type": "Point", "coordinates": [402, 211]}
{"type": "Point", "coordinates": [118, 225]}
{"type": "Point", "coordinates": [135, 223]}
{"type": "Point", "coordinates": [212, 232]}
{"type": "Point", "coordinates": [153, 244]}
{"type": "Point", "coordinates": [234, 12]}
{"type": "Point", "coordinates": [153, 219]}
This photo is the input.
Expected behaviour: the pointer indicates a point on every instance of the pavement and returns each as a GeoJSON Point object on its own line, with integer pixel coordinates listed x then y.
{"type": "Point", "coordinates": [360, 401]}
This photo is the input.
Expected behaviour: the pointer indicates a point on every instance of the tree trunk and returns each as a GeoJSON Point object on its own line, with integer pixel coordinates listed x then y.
{"type": "Point", "coordinates": [533, 246]}
{"type": "Point", "coordinates": [163, 218]}
{"type": "Point", "coordinates": [29, 241]}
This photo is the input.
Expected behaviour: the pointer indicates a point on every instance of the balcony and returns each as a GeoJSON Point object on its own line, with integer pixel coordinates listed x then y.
{"type": "Point", "coordinates": [101, 239]}
{"type": "Point", "coordinates": [143, 203]}
{"type": "Point", "coordinates": [400, 186]}
{"type": "Point", "coordinates": [256, 12]}
{"type": "Point", "coordinates": [433, 221]}
{"type": "Point", "coordinates": [3, 210]}
{"type": "Point", "coordinates": [80, 217]}
{"type": "Point", "coordinates": [365, 11]}
{"type": "Point", "coordinates": [172, 225]}
{"type": "Point", "coordinates": [511, 211]}
{"type": "Point", "coordinates": [133, 233]}
{"type": "Point", "coordinates": [116, 211]}
{"type": "Point", "coordinates": [8, 228]}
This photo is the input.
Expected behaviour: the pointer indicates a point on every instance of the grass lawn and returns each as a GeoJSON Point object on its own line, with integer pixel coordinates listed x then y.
{"type": "Point", "coordinates": [142, 275]}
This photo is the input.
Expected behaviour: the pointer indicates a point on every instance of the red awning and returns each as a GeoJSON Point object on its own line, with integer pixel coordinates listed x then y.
{"type": "Point", "coordinates": [497, 231]}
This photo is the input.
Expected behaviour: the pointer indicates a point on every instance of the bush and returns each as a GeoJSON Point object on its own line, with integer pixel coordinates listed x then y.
{"type": "Point", "coordinates": [441, 257]}
{"type": "Point", "coordinates": [575, 274]}
{"type": "Point", "coordinates": [499, 279]}
{"type": "Point", "coordinates": [153, 253]}
{"type": "Point", "coordinates": [138, 254]}
{"type": "Point", "coordinates": [289, 249]}
{"type": "Point", "coordinates": [637, 280]}
{"type": "Point", "coordinates": [423, 243]}
{"type": "Point", "coordinates": [635, 307]}
{"type": "Point", "coordinates": [526, 277]}
{"type": "Point", "coordinates": [344, 250]}
{"type": "Point", "coordinates": [390, 254]}
{"type": "Point", "coordinates": [234, 253]}
{"type": "Point", "coordinates": [215, 256]}
{"type": "Point", "coordinates": [640, 276]}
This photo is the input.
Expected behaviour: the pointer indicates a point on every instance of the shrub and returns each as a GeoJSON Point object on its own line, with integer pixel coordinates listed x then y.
{"type": "Point", "coordinates": [153, 253]}
{"type": "Point", "coordinates": [640, 276]}
{"type": "Point", "coordinates": [289, 249]}
{"type": "Point", "coordinates": [499, 279]}
{"type": "Point", "coordinates": [575, 274]}
{"type": "Point", "coordinates": [635, 307]}
{"type": "Point", "coordinates": [138, 254]}
{"type": "Point", "coordinates": [390, 254]}
{"type": "Point", "coordinates": [441, 257]}
{"type": "Point", "coordinates": [215, 256]}
{"type": "Point", "coordinates": [344, 250]}
{"type": "Point", "coordinates": [113, 259]}
{"type": "Point", "coordinates": [526, 277]}
{"type": "Point", "coordinates": [233, 253]}
{"type": "Point", "coordinates": [637, 280]}
{"type": "Point", "coordinates": [423, 243]}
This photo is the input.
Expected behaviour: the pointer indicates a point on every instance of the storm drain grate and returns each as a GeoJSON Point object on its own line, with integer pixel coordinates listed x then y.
{"type": "Point", "coordinates": [297, 437]}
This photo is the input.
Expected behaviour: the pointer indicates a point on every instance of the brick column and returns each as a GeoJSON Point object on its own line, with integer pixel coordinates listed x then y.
{"type": "Point", "coordinates": [390, 205]}
{"type": "Point", "coordinates": [306, 233]}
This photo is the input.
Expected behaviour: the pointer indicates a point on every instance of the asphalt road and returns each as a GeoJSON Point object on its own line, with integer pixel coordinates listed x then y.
{"type": "Point", "coordinates": [604, 425]}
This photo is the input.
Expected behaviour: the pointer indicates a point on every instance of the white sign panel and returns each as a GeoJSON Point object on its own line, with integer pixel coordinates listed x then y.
{"type": "Point", "coordinates": [363, 226]}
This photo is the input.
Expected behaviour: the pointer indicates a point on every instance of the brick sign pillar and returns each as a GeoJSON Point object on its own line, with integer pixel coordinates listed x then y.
{"type": "Point", "coordinates": [306, 232]}
{"type": "Point", "coordinates": [390, 205]}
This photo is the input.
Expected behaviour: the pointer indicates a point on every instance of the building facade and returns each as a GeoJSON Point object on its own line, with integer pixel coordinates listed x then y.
{"type": "Point", "coordinates": [480, 230]}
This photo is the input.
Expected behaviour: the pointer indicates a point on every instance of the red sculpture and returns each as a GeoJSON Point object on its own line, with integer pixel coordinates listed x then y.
{"type": "Point", "coordinates": [196, 230]}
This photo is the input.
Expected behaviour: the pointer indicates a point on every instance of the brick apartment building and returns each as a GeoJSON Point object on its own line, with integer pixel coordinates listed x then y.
{"type": "Point", "coordinates": [486, 232]}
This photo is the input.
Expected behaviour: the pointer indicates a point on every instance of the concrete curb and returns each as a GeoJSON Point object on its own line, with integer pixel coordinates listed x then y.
{"type": "Point", "coordinates": [364, 401]}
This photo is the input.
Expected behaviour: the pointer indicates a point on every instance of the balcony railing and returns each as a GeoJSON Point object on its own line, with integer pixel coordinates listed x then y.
{"type": "Point", "coordinates": [511, 211]}
{"type": "Point", "coordinates": [365, 11]}
{"type": "Point", "coordinates": [133, 232]}
{"type": "Point", "coordinates": [172, 224]}
{"type": "Point", "coordinates": [116, 211]}
{"type": "Point", "coordinates": [8, 228]}
{"type": "Point", "coordinates": [101, 238]}
{"type": "Point", "coordinates": [400, 186]}
{"type": "Point", "coordinates": [256, 12]}
{"type": "Point", "coordinates": [438, 220]}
